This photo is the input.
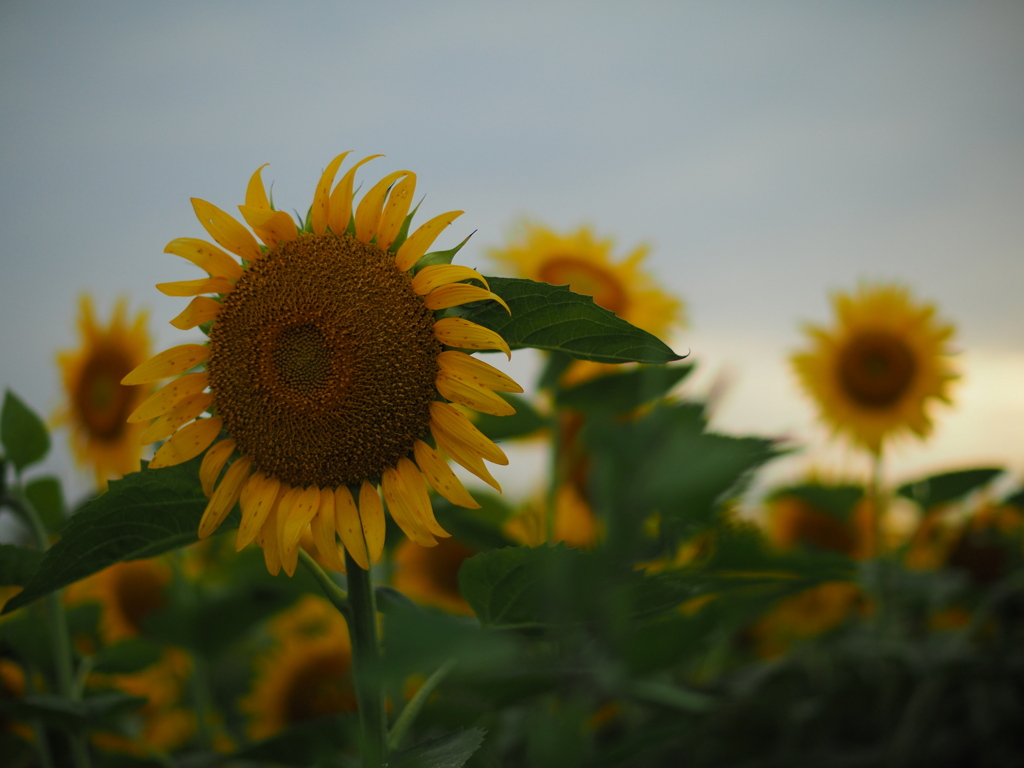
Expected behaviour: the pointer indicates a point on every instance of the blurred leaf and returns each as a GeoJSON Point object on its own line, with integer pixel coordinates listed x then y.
{"type": "Point", "coordinates": [18, 565]}
{"type": "Point", "coordinates": [1016, 500]}
{"type": "Point", "coordinates": [451, 750]}
{"type": "Point", "coordinates": [525, 421]}
{"type": "Point", "coordinates": [68, 714]}
{"type": "Point", "coordinates": [623, 392]}
{"type": "Point", "coordinates": [47, 496]}
{"type": "Point", "coordinates": [930, 492]}
{"type": "Point", "coordinates": [477, 528]}
{"type": "Point", "coordinates": [554, 318]}
{"type": "Point", "coordinates": [836, 500]}
{"type": "Point", "coordinates": [302, 745]}
{"type": "Point", "coordinates": [22, 432]}
{"type": "Point", "coordinates": [142, 515]}
{"type": "Point", "coordinates": [126, 657]}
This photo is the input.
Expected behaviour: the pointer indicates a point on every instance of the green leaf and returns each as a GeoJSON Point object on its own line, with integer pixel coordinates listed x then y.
{"type": "Point", "coordinates": [622, 392]}
{"type": "Point", "coordinates": [126, 657]}
{"type": "Point", "coordinates": [555, 319]}
{"type": "Point", "coordinates": [451, 750]}
{"type": "Point", "coordinates": [22, 433]}
{"type": "Point", "coordinates": [303, 744]}
{"type": "Point", "coordinates": [525, 421]}
{"type": "Point", "coordinates": [68, 714]}
{"type": "Point", "coordinates": [836, 500]}
{"type": "Point", "coordinates": [18, 565]}
{"type": "Point", "coordinates": [47, 496]}
{"type": "Point", "coordinates": [932, 491]}
{"type": "Point", "coordinates": [142, 515]}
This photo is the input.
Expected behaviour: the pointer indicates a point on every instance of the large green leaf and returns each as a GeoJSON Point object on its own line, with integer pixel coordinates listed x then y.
{"type": "Point", "coordinates": [18, 565]}
{"type": "Point", "coordinates": [622, 392]}
{"type": "Point", "coordinates": [950, 486]}
{"type": "Point", "coordinates": [451, 750]}
{"type": "Point", "coordinates": [553, 318]}
{"type": "Point", "coordinates": [142, 515]}
{"type": "Point", "coordinates": [22, 432]}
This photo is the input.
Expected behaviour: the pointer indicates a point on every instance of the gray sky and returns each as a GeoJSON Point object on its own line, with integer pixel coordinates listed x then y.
{"type": "Point", "coordinates": [769, 152]}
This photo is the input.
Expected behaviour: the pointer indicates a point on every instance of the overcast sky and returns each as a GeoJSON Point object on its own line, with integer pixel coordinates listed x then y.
{"type": "Point", "coordinates": [769, 152]}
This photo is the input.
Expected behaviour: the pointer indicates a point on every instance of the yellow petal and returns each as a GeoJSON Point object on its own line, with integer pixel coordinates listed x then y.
{"type": "Point", "coordinates": [436, 275]}
{"type": "Point", "coordinates": [341, 199]}
{"type": "Point", "coordinates": [226, 231]}
{"type": "Point", "coordinates": [323, 526]}
{"type": "Point", "coordinates": [469, 368]}
{"type": "Point", "coordinates": [349, 526]}
{"type": "Point", "coordinates": [182, 413]}
{"type": "Point", "coordinates": [320, 212]}
{"type": "Point", "coordinates": [165, 398]}
{"type": "Point", "coordinates": [371, 513]}
{"type": "Point", "coordinates": [305, 508]}
{"type": "Point", "coordinates": [455, 294]}
{"type": "Point", "coordinates": [396, 496]}
{"type": "Point", "coordinates": [256, 193]}
{"type": "Point", "coordinates": [418, 497]}
{"type": "Point", "coordinates": [187, 443]}
{"type": "Point", "coordinates": [271, 226]}
{"type": "Point", "coordinates": [465, 457]}
{"type": "Point", "coordinates": [263, 499]}
{"type": "Point", "coordinates": [224, 497]}
{"type": "Point", "coordinates": [418, 242]}
{"type": "Point", "coordinates": [457, 332]}
{"type": "Point", "coordinates": [268, 538]}
{"type": "Point", "coordinates": [440, 476]}
{"type": "Point", "coordinates": [457, 427]}
{"type": "Point", "coordinates": [206, 256]}
{"type": "Point", "coordinates": [284, 510]}
{"type": "Point", "coordinates": [196, 287]}
{"type": "Point", "coordinates": [213, 463]}
{"type": "Point", "coordinates": [200, 310]}
{"type": "Point", "coordinates": [247, 501]}
{"type": "Point", "coordinates": [396, 210]}
{"type": "Point", "coordinates": [471, 395]}
{"type": "Point", "coordinates": [369, 211]}
{"type": "Point", "coordinates": [168, 363]}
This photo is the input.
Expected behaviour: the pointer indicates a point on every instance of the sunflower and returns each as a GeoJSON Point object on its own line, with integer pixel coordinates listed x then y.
{"type": "Point", "coordinates": [127, 594]}
{"type": "Point", "coordinates": [875, 373]}
{"type": "Point", "coordinates": [329, 366]}
{"type": "Point", "coordinates": [431, 576]}
{"type": "Point", "coordinates": [98, 403]}
{"type": "Point", "coordinates": [306, 674]}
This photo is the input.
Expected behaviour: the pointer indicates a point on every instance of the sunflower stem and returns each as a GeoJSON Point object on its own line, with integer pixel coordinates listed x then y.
{"type": "Point", "coordinates": [333, 592]}
{"type": "Point", "coordinates": [416, 703]}
{"type": "Point", "coordinates": [362, 626]}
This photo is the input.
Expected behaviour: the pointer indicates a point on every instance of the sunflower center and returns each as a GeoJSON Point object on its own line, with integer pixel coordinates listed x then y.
{"type": "Point", "coordinates": [583, 277]}
{"type": "Point", "coordinates": [323, 362]}
{"type": "Point", "coordinates": [101, 401]}
{"type": "Point", "coordinates": [876, 369]}
{"type": "Point", "coordinates": [321, 685]}
{"type": "Point", "coordinates": [139, 591]}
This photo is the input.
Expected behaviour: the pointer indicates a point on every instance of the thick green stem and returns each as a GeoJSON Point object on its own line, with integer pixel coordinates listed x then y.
{"type": "Point", "coordinates": [362, 627]}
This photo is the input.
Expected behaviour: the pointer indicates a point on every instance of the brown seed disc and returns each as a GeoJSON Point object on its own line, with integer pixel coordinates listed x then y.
{"type": "Point", "coordinates": [323, 361]}
{"type": "Point", "coordinates": [876, 369]}
{"type": "Point", "coordinates": [103, 404]}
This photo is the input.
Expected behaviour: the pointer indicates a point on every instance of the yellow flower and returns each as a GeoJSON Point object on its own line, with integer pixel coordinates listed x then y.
{"type": "Point", "coordinates": [306, 674]}
{"type": "Point", "coordinates": [574, 523]}
{"type": "Point", "coordinates": [584, 263]}
{"type": "Point", "coordinates": [97, 403]}
{"type": "Point", "coordinates": [127, 593]}
{"type": "Point", "coordinates": [431, 576]}
{"type": "Point", "coordinates": [328, 370]}
{"type": "Point", "coordinates": [793, 521]}
{"type": "Point", "coordinates": [806, 615]}
{"type": "Point", "coordinates": [874, 374]}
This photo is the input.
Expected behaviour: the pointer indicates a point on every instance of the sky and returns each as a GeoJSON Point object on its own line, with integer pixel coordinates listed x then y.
{"type": "Point", "coordinates": [770, 153]}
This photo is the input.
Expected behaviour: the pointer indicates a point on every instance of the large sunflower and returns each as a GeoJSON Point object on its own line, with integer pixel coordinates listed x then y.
{"type": "Point", "coordinates": [97, 403]}
{"type": "Point", "coordinates": [329, 369]}
{"type": "Point", "coordinates": [874, 374]}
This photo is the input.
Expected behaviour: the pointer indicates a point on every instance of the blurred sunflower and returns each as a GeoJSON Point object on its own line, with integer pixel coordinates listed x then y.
{"type": "Point", "coordinates": [875, 373]}
{"type": "Point", "coordinates": [794, 520]}
{"type": "Point", "coordinates": [805, 615]}
{"type": "Point", "coordinates": [575, 524]}
{"type": "Point", "coordinates": [306, 674]}
{"type": "Point", "coordinates": [584, 263]}
{"type": "Point", "coordinates": [97, 402]}
{"type": "Point", "coordinates": [431, 576]}
{"type": "Point", "coordinates": [127, 593]}
{"type": "Point", "coordinates": [328, 370]}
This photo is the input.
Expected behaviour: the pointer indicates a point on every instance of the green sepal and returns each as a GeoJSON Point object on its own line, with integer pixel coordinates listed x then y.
{"type": "Point", "coordinates": [435, 258]}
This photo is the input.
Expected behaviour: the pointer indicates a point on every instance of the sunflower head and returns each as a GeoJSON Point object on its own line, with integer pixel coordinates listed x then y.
{"type": "Point", "coordinates": [875, 373]}
{"type": "Point", "coordinates": [97, 404]}
{"type": "Point", "coordinates": [330, 372]}
{"type": "Point", "coordinates": [306, 674]}
{"type": "Point", "coordinates": [127, 594]}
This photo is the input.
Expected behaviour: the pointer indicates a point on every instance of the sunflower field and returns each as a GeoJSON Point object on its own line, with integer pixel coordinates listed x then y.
{"type": "Point", "coordinates": [317, 567]}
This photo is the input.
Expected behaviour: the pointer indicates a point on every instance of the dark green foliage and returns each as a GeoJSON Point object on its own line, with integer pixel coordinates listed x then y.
{"type": "Point", "coordinates": [22, 433]}
{"type": "Point", "coordinates": [930, 492]}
